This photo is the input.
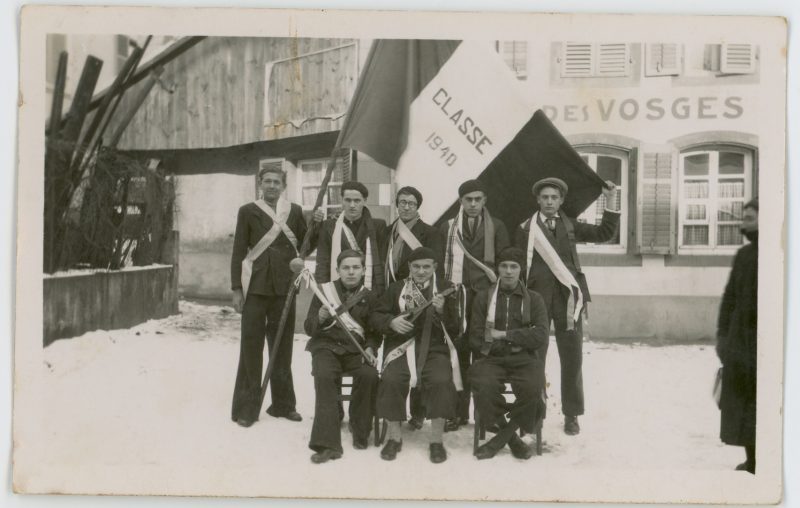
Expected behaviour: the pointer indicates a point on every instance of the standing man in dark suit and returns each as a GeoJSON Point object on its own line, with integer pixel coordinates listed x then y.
{"type": "Point", "coordinates": [404, 235]}
{"type": "Point", "coordinates": [353, 229]}
{"type": "Point", "coordinates": [333, 354]}
{"type": "Point", "coordinates": [268, 234]}
{"type": "Point", "coordinates": [471, 241]}
{"type": "Point", "coordinates": [554, 271]}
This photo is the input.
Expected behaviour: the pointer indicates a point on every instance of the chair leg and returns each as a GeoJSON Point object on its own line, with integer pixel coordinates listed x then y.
{"type": "Point", "coordinates": [539, 441]}
{"type": "Point", "coordinates": [476, 435]}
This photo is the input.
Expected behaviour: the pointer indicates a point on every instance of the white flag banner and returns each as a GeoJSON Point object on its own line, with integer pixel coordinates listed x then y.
{"type": "Point", "coordinates": [455, 129]}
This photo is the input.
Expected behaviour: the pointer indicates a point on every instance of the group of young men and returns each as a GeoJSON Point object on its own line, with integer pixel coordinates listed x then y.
{"type": "Point", "coordinates": [458, 310]}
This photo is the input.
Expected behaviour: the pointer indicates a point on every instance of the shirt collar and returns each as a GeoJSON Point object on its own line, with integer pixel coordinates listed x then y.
{"type": "Point", "coordinates": [516, 291]}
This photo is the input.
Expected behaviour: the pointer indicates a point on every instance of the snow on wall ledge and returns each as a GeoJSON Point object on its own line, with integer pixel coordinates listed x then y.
{"type": "Point", "coordinates": [75, 303]}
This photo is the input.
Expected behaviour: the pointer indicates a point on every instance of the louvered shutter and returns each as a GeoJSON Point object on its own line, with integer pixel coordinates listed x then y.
{"type": "Point", "coordinates": [662, 59]}
{"type": "Point", "coordinates": [612, 60]}
{"type": "Point", "coordinates": [656, 215]}
{"type": "Point", "coordinates": [577, 59]}
{"type": "Point", "coordinates": [737, 59]}
{"type": "Point", "coordinates": [265, 163]}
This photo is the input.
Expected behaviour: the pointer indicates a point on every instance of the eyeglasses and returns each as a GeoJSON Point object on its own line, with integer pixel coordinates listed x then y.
{"type": "Point", "coordinates": [407, 204]}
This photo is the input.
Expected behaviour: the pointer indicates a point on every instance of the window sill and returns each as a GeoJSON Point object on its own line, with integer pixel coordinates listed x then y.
{"type": "Point", "coordinates": [608, 258]}
{"type": "Point", "coordinates": [703, 258]}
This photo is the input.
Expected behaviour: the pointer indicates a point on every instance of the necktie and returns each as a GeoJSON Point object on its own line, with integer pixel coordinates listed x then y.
{"type": "Point", "coordinates": [471, 226]}
{"type": "Point", "coordinates": [551, 223]}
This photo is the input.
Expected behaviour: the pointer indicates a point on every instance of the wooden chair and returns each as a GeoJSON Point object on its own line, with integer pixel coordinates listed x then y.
{"type": "Point", "coordinates": [347, 382]}
{"type": "Point", "coordinates": [480, 428]}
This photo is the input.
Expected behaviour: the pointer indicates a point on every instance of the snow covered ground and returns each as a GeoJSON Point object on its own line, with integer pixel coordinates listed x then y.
{"type": "Point", "coordinates": [156, 399]}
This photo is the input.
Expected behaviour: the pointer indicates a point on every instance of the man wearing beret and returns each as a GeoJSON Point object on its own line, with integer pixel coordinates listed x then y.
{"type": "Point", "coordinates": [353, 229]}
{"type": "Point", "coordinates": [471, 240]}
{"type": "Point", "coordinates": [509, 330]}
{"type": "Point", "coordinates": [418, 319]}
{"type": "Point", "coordinates": [268, 233]}
{"type": "Point", "coordinates": [404, 235]}
{"type": "Point", "coordinates": [554, 271]}
{"type": "Point", "coordinates": [333, 354]}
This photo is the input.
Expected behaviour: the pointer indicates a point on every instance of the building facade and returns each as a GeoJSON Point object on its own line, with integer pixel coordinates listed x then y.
{"type": "Point", "coordinates": [674, 125]}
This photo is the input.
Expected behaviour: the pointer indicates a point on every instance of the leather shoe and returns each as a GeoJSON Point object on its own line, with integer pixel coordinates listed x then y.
{"type": "Point", "coordinates": [244, 422]}
{"type": "Point", "coordinates": [486, 451]}
{"type": "Point", "coordinates": [292, 416]}
{"type": "Point", "coordinates": [571, 427]}
{"type": "Point", "coordinates": [391, 449]}
{"type": "Point", "coordinates": [360, 442]}
{"type": "Point", "coordinates": [519, 449]}
{"type": "Point", "coordinates": [746, 466]}
{"type": "Point", "coordinates": [415, 423]}
{"type": "Point", "coordinates": [437, 453]}
{"type": "Point", "coordinates": [453, 424]}
{"type": "Point", "coordinates": [325, 455]}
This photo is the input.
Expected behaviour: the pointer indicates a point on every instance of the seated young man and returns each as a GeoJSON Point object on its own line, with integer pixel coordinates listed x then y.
{"type": "Point", "coordinates": [418, 351]}
{"type": "Point", "coordinates": [334, 354]}
{"type": "Point", "coordinates": [507, 328]}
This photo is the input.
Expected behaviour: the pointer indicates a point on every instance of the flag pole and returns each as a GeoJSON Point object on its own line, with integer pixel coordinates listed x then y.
{"type": "Point", "coordinates": [296, 266]}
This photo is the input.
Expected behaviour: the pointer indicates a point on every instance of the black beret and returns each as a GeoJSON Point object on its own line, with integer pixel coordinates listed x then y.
{"type": "Point", "coordinates": [551, 182]}
{"type": "Point", "coordinates": [410, 191]}
{"type": "Point", "coordinates": [421, 253]}
{"type": "Point", "coordinates": [471, 186]}
{"type": "Point", "coordinates": [356, 186]}
{"type": "Point", "coordinates": [514, 254]}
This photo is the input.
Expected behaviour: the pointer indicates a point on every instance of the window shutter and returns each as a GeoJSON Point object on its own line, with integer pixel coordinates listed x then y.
{"type": "Point", "coordinates": [346, 156]}
{"type": "Point", "coordinates": [576, 59]}
{"type": "Point", "coordinates": [662, 59]}
{"type": "Point", "coordinates": [737, 59]}
{"type": "Point", "coordinates": [612, 60]}
{"type": "Point", "coordinates": [267, 163]}
{"type": "Point", "coordinates": [656, 197]}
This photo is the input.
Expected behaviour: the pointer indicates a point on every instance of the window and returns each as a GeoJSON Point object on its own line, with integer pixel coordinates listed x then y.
{"type": "Point", "coordinates": [515, 54]}
{"type": "Point", "coordinates": [311, 174]}
{"type": "Point", "coordinates": [609, 164]}
{"type": "Point", "coordinates": [730, 58]}
{"type": "Point", "coordinates": [584, 59]}
{"type": "Point", "coordinates": [714, 186]}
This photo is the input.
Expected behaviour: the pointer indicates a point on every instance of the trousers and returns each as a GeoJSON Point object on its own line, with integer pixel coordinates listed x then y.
{"type": "Point", "coordinates": [436, 386]}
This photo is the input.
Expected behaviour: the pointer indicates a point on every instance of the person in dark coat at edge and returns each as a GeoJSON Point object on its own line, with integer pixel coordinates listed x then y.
{"type": "Point", "coordinates": [268, 234]}
{"type": "Point", "coordinates": [508, 330]}
{"type": "Point", "coordinates": [353, 229]}
{"type": "Point", "coordinates": [334, 354]}
{"type": "Point", "coordinates": [418, 352]}
{"type": "Point", "coordinates": [554, 271]}
{"type": "Point", "coordinates": [404, 235]}
{"type": "Point", "coordinates": [737, 345]}
{"type": "Point", "coordinates": [470, 241]}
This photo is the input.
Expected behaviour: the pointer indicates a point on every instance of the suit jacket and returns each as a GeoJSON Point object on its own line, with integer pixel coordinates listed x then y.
{"type": "Point", "coordinates": [427, 235]}
{"type": "Point", "coordinates": [325, 240]}
{"type": "Point", "coordinates": [334, 338]}
{"type": "Point", "coordinates": [539, 276]}
{"type": "Point", "coordinates": [388, 307]}
{"type": "Point", "coordinates": [271, 274]}
{"type": "Point", "coordinates": [473, 277]}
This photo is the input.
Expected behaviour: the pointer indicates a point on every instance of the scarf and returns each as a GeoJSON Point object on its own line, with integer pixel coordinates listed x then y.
{"type": "Point", "coordinates": [455, 252]}
{"type": "Point", "coordinates": [395, 250]}
{"type": "Point", "coordinates": [333, 301]}
{"type": "Point", "coordinates": [538, 241]}
{"type": "Point", "coordinates": [336, 245]}
{"type": "Point", "coordinates": [491, 316]}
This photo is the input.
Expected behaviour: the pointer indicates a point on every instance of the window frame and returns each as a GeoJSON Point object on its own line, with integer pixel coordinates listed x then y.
{"type": "Point", "coordinates": [713, 200]}
{"type": "Point", "coordinates": [623, 155]}
{"type": "Point", "coordinates": [596, 51]}
{"type": "Point", "coordinates": [300, 186]}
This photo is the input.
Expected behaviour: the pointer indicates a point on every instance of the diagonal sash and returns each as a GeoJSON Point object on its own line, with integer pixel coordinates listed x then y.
{"type": "Point", "coordinates": [278, 224]}
{"type": "Point", "coordinates": [333, 300]}
{"type": "Point", "coordinates": [455, 252]}
{"type": "Point", "coordinates": [538, 241]}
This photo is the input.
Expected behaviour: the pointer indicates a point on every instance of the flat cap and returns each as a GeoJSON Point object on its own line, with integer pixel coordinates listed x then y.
{"type": "Point", "coordinates": [551, 182]}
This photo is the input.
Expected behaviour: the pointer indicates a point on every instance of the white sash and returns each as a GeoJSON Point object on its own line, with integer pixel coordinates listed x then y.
{"type": "Point", "coordinates": [333, 300]}
{"type": "Point", "coordinates": [538, 241]}
{"type": "Point", "coordinates": [408, 238]}
{"type": "Point", "coordinates": [408, 347]}
{"type": "Point", "coordinates": [336, 249]}
{"type": "Point", "coordinates": [279, 218]}
{"type": "Point", "coordinates": [455, 252]}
